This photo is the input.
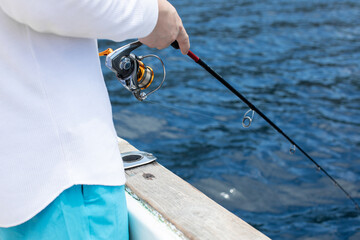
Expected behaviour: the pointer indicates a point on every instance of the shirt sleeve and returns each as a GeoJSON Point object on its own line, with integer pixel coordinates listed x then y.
{"type": "Point", "coordinates": [116, 20]}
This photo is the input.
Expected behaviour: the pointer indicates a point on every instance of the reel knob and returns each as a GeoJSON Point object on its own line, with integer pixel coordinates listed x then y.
{"type": "Point", "coordinates": [125, 64]}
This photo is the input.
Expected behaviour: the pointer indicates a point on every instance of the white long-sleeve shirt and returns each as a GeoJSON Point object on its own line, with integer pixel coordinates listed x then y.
{"type": "Point", "coordinates": [56, 127]}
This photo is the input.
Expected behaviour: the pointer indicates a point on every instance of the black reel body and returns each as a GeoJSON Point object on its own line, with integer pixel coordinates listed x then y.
{"type": "Point", "coordinates": [131, 71]}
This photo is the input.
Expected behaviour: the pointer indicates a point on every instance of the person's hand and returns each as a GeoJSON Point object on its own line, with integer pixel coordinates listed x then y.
{"type": "Point", "coordinates": [168, 28]}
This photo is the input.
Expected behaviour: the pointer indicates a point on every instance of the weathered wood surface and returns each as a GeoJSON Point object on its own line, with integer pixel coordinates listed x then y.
{"type": "Point", "coordinates": [193, 213]}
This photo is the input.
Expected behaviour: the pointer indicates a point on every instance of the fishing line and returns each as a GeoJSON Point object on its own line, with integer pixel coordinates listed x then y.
{"type": "Point", "coordinates": [249, 115]}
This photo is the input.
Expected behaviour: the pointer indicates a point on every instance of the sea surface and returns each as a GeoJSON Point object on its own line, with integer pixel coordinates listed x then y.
{"type": "Point", "coordinates": [298, 61]}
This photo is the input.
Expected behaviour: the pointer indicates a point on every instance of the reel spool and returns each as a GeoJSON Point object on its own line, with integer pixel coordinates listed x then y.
{"type": "Point", "coordinates": [132, 73]}
{"type": "Point", "coordinates": [145, 76]}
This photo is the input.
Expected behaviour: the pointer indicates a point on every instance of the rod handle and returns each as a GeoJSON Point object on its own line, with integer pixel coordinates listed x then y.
{"type": "Point", "coordinates": [175, 45]}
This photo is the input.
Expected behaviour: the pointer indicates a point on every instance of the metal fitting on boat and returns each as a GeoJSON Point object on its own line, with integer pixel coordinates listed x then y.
{"type": "Point", "coordinates": [137, 158]}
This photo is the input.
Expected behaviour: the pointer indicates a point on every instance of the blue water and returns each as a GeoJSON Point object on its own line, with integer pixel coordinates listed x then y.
{"type": "Point", "coordinates": [299, 62]}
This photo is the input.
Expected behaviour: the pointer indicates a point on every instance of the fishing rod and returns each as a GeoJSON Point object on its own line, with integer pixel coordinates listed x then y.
{"type": "Point", "coordinates": [247, 120]}
{"type": "Point", "coordinates": [136, 77]}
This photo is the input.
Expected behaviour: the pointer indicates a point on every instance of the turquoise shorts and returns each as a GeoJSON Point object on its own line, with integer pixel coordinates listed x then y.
{"type": "Point", "coordinates": [80, 212]}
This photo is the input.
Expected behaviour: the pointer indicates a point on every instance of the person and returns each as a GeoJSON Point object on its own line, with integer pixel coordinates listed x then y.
{"type": "Point", "coordinates": [61, 174]}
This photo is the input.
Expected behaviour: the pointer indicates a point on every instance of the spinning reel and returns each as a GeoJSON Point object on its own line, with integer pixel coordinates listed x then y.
{"type": "Point", "coordinates": [133, 74]}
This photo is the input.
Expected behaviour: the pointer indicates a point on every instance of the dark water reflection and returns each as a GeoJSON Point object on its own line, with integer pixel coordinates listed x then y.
{"type": "Point", "coordinates": [298, 61]}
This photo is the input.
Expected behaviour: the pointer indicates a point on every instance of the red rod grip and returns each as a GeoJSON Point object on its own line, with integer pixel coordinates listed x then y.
{"type": "Point", "coordinates": [193, 56]}
{"type": "Point", "coordinates": [175, 45]}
